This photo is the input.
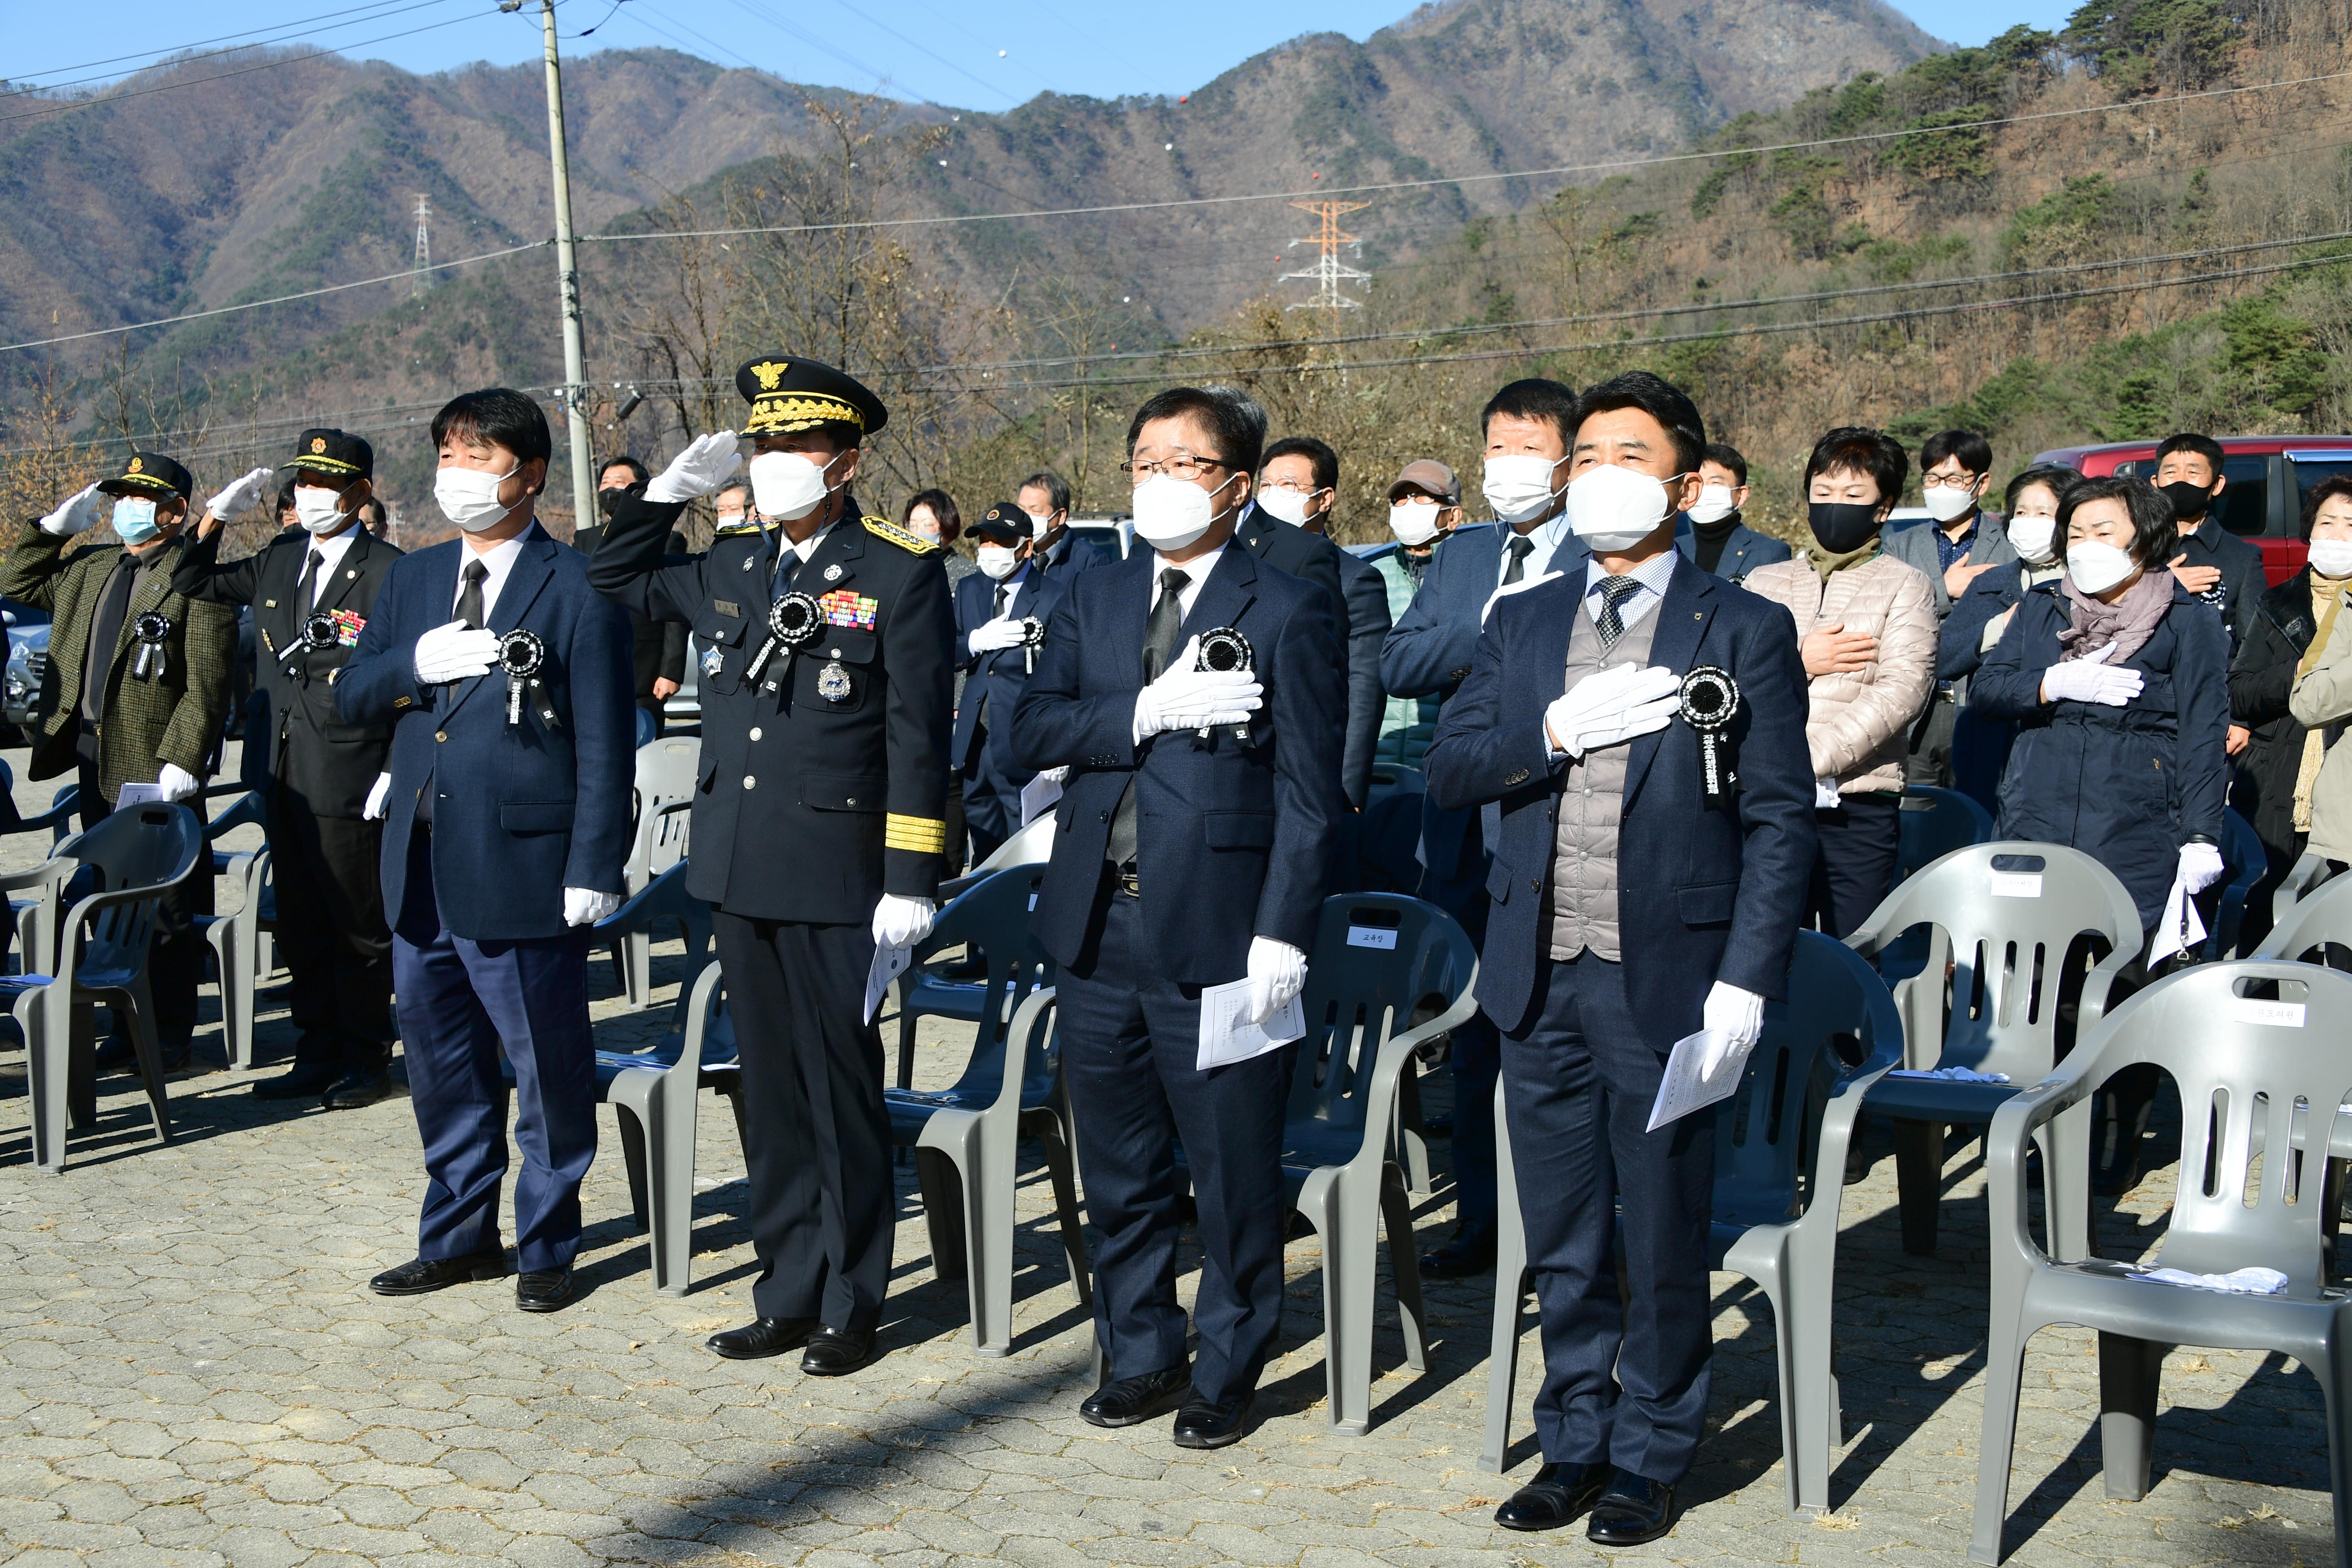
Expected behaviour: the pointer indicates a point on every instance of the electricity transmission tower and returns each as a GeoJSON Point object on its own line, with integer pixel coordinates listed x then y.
{"type": "Point", "coordinates": [422, 278]}
{"type": "Point", "coordinates": [1328, 271]}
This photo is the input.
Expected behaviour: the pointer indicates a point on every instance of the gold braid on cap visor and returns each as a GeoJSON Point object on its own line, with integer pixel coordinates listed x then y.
{"type": "Point", "coordinates": [798, 410]}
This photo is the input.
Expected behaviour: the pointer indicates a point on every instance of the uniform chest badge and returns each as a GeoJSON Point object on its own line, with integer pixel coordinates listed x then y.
{"type": "Point", "coordinates": [833, 682]}
{"type": "Point", "coordinates": [348, 624]}
{"type": "Point", "coordinates": [711, 661]}
{"type": "Point", "coordinates": [747, 563]}
{"type": "Point", "coordinates": [848, 608]}
{"type": "Point", "coordinates": [833, 572]}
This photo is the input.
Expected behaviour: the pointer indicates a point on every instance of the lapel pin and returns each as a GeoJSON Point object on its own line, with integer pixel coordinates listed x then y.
{"type": "Point", "coordinates": [351, 574]}
{"type": "Point", "coordinates": [833, 572]}
{"type": "Point", "coordinates": [747, 564]}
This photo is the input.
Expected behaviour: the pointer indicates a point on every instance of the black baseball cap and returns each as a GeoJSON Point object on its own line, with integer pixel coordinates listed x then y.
{"type": "Point", "coordinates": [1003, 523]}
{"type": "Point", "coordinates": [149, 474]}
{"type": "Point", "coordinates": [336, 454]}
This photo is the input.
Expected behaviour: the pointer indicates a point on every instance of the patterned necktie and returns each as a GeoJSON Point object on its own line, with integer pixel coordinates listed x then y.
{"type": "Point", "coordinates": [1614, 592]}
{"type": "Point", "coordinates": [469, 598]}
{"type": "Point", "coordinates": [1520, 548]}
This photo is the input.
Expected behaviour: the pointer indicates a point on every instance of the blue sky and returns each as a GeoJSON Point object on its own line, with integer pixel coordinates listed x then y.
{"type": "Point", "coordinates": [975, 54]}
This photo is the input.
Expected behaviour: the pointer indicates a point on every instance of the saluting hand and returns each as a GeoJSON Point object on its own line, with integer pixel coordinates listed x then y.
{"type": "Point", "coordinates": [699, 469]}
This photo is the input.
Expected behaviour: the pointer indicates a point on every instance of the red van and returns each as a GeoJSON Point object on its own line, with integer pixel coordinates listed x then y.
{"type": "Point", "coordinates": [2268, 475]}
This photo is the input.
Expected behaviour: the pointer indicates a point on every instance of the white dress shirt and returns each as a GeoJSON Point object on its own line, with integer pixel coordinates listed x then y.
{"type": "Point", "coordinates": [1650, 574]}
{"type": "Point", "coordinates": [330, 552]}
{"type": "Point", "coordinates": [1196, 570]}
{"type": "Point", "coordinates": [501, 559]}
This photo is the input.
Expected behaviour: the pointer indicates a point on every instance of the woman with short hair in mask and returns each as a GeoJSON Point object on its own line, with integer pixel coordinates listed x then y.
{"type": "Point", "coordinates": [1866, 627]}
{"type": "Point", "coordinates": [933, 515]}
{"type": "Point", "coordinates": [1980, 745]}
{"type": "Point", "coordinates": [2119, 688]}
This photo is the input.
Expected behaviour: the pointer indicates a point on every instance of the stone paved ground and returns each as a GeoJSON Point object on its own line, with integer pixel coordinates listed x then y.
{"type": "Point", "coordinates": [191, 1372]}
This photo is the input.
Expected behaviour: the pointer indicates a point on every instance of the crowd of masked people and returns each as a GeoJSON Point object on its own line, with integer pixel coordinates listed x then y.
{"type": "Point", "coordinates": [1494, 715]}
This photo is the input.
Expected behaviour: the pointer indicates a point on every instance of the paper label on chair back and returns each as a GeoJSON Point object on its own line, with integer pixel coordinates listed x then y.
{"type": "Point", "coordinates": [2016, 884]}
{"type": "Point", "coordinates": [2278, 1015]}
{"type": "Point", "coordinates": [1371, 936]}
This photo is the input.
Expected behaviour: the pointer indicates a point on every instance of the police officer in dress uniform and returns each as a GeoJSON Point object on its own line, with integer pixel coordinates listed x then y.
{"type": "Point", "coordinates": [312, 589]}
{"type": "Point", "coordinates": [1000, 614]}
{"type": "Point", "coordinates": [820, 824]}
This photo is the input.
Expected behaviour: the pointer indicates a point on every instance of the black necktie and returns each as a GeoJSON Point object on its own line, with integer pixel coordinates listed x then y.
{"type": "Point", "coordinates": [1002, 594]}
{"type": "Point", "coordinates": [306, 591]}
{"type": "Point", "coordinates": [469, 598]}
{"type": "Point", "coordinates": [1520, 548]}
{"type": "Point", "coordinates": [1160, 635]}
{"type": "Point", "coordinates": [1614, 591]}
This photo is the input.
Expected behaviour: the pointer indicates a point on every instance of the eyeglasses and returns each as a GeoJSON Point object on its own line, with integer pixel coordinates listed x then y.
{"type": "Point", "coordinates": [1188, 469]}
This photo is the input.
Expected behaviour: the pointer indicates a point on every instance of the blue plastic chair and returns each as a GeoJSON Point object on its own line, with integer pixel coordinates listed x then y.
{"type": "Point", "coordinates": [664, 901]}
{"type": "Point", "coordinates": [930, 988]}
{"type": "Point", "coordinates": [2243, 861]}
{"type": "Point", "coordinates": [1934, 822]}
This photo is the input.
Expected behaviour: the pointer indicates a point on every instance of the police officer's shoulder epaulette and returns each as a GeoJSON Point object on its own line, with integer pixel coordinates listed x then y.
{"type": "Point", "coordinates": [746, 526]}
{"type": "Point", "coordinates": [913, 543]}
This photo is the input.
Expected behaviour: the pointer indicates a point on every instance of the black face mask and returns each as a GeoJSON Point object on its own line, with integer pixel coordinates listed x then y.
{"type": "Point", "coordinates": [607, 500]}
{"type": "Point", "coordinates": [2189, 499]}
{"type": "Point", "coordinates": [1841, 526]}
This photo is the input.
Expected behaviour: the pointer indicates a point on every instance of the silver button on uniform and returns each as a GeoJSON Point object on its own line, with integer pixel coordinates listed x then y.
{"type": "Point", "coordinates": [749, 781]}
{"type": "Point", "coordinates": [755, 731]}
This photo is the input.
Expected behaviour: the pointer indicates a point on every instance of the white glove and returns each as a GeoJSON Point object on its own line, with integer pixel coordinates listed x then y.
{"type": "Point", "coordinates": [1611, 706]}
{"type": "Point", "coordinates": [373, 810]}
{"type": "Point", "coordinates": [1184, 698]}
{"type": "Point", "coordinates": [1060, 775]}
{"type": "Point", "coordinates": [453, 652]}
{"type": "Point", "coordinates": [1507, 589]}
{"type": "Point", "coordinates": [1735, 1018]}
{"type": "Point", "coordinates": [586, 906]}
{"type": "Point", "coordinates": [1277, 974]}
{"type": "Point", "coordinates": [243, 494]}
{"type": "Point", "coordinates": [699, 469]}
{"type": "Point", "coordinates": [902, 922]}
{"type": "Point", "coordinates": [2200, 866]}
{"type": "Point", "coordinates": [2088, 679]}
{"type": "Point", "coordinates": [179, 783]}
{"type": "Point", "coordinates": [1826, 797]}
{"type": "Point", "coordinates": [77, 513]}
{"type": "Point", "coordinates": [998, 634]}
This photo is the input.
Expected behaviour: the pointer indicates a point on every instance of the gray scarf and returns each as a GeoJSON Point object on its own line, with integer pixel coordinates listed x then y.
{"type": "Point", "coordinates": [2127, 623]}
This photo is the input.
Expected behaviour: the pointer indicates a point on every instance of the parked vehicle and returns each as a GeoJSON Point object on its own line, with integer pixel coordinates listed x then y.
{"type": "Point", "coordinates": [2268, 478]}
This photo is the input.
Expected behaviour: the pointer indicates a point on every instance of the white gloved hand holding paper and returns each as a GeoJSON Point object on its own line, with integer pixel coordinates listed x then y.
{"type": "Point", "coordinates": [1277, 974]}
{"type": "Point", "coordinates": [1611, 706]}
{"type": "Point", "coordinates": [902, 921]}
{"type": "Point", "coordinates": [1826, 797]}
{"type": "Point", "coordinates": [1507, 589]}
{"type": "Point", "coordinates": [702, 468]}
{"type": "Point", "coordinates": [1002, 633]}
{"type": "Point", "coordinates": [242, 495]}
{"type": "Point", "coordinates": [2090, 679]}
{"type": "Point", "coordinates": [1735, 1018]}
{"type": "Point", "coordinates": [177, 783]}
{"type": "Point", "coordinates": [2200, 866]}
{"type": "Point", "coordinates": [454, 653]}
{"type": "Point", "coordinates": [377, 793]}
{"type": "Point", "coordinates": [586, 906]}
{"type": "Point", "coordinates": [1184, 698]}
{"type": "Point", "coordinates": [77, 513]}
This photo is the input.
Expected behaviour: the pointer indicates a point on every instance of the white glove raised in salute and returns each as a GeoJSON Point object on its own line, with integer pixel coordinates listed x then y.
{"type": "Point", "coordinates": [243, 494]}
{"type": "Point", "coordinates": [1277, 974]}
{"type": "Point", "coordinates": [902, 921]}
{"type": "Point", "coordinates": [1612, 707]}
{"type": "Point", "coordinates": [1002, 633]}
{"type": "Point", "coordinates": [586, 906]}
{"type": "Point", "coordinates": [1736, 1019]}
{"type": "Point", "coordinates": [455, 652]}
{"type": "Point", "coordinates": [705, 464]}
{"type": "Point", "coordinates": [1184, 698]}
{"type": "Point", "coordinates": [2089, 680]}
{"type": "Point", "coordinates": [77, 514]}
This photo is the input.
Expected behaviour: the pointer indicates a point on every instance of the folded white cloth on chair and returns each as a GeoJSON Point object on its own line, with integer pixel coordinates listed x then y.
{"type": "Point", "coordinates": [1951, 1075]}
{"type": "Point", "coordinates": [2241, 1281]}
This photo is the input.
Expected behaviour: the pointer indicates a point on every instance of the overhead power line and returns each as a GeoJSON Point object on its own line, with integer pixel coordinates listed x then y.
{"type": "Point", "coordinates": [177, 56]}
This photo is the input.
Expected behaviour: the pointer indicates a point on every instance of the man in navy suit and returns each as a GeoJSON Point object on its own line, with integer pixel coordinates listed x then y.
{"type": "Point", "coordinates": [506, 819]}
{"type": "Point", "coordinates": [1571, 721]}
{"type": "Point", "coordinates": [1527, 427]}
{"type": "Point", "coordinates": [1711, 535]}
{"type": "Point", "coordinates": [1194, 837]}
{"type": "Point", "coordinates": [1044, 499]}
{"type": "Point", "coordinates": [999, 610]}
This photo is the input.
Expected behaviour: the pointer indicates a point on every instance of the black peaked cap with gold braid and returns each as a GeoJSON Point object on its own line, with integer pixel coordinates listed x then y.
{"type": "Point", "coordinates": [149, 474]}
{"type": "Point", "coordinates": [338, 454]}
{"type": "Point", "coordinates": [787, 394]}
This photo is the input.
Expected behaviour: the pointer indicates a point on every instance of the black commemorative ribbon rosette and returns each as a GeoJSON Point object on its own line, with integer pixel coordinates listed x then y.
{"type": "Point", "coordinates": [523, 655]}
{"type": "Point", "coordinates": [1710, 700]}
{"type": "Point", "coordinates": [150, 629]}
{"type": "Point", "coordinates": [1033, 637]}
{"type": "Point", "coordinates": [1228, 652]}
{"type": "Point", "coordinates": [319, 631]}
{"type": "Point", "coordinates": [794, 622]}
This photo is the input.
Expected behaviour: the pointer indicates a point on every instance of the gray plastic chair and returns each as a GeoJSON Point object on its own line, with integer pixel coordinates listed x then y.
{"type": "Point", "coordinates": [661, 802]}
{"type": "Point", "coordinates": [1339, 1153]}
{"type": "Point", "coordinates": [238, 938]}
{"type": "Point", "coordinates": [2250, 1071]}
{"type": "Point", "coordinates": [657, 1096]}
{"type": "Point", "coordinates": [1780, 1167]}
{"type": "Point", "coordinates": [1932, 823]}
{"type": "Point", "coordinates": [2319, 920]}
{"type": "Point", "coordinates": [34, 920]}
{"type": "Point", "coordinates": [2003, 917]}
{"type": "Point", "coordinates": [2305, 877]}
{"type": "Point", "coordinates": [927, 990]}
{"type": "Point", "coordinates": [664, 901]}
{"type": "Point", "coordinates": [102, 958]}
{"type": "Point", "coordinates": [966, 1138]}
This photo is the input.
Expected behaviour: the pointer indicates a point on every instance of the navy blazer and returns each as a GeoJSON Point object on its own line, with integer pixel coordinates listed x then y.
{"type": "Point", "coordinates": [1359, 614]}
{"type": "Point", "coordinates": [999, 676]}
{"type": "Point", "coordinates": [1077, 554]}
{"type": "Point", "coordinates": [1744, 552]}
{"type": "Point", "coordinates": [1231, 841]}
{"type": "Point", "coordinates": [1705, 893]}
{"type": "Point", "coordinates": [518, 815]}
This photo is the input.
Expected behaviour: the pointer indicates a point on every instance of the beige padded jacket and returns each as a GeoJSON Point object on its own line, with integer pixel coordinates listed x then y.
{"type": "Point", "coordinates": [1859, 725]}
{"type": "Point", "coordinates": [2322, 702]}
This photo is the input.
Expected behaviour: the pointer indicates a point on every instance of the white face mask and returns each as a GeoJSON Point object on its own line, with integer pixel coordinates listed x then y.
{"type": "Point", "coordinates": [786, 485]}
{"type": "Point", "coordinates": [1714, 504]}
{"type": "Point", "coordinates": [1612, 507]}
{"type": "Point", "coordinates": [2094, 567]}
{"type": "Point", "coordinates": [2033, 537]}
{"type": "Point", "coordinates": [1039, 526]}
{"type": "Point", "coordinates": [1413, 523]}
{"type": "Point", "coordinates": [1170, 513]}
{"type": "Point", "coordinates": [998, 561]}
{"type": "Point", "coordinates": [467, 497]}
{"type": "Point", "coordinates": [1290, 506]}
{"type": "Point", "coordinates": [1520, 486]}
{"type": "Point", "coordinates": [1946, 502]}
{"type": "Point", "coordinates": [2332, 557]}
{"type": "Point", "coordinates": [319, 512]}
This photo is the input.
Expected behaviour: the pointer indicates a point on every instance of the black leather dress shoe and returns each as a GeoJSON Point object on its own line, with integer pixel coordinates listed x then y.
{"type": "Point", "coordinates": [354, 1089]}
{"type": "Point", "coordinates": [763, 1337]}
{"type": "Point", "coordinates": [420, 1275]}
{"type": "Point", "coordinates": [1200, 1425]}
{"type": "Point", "coordinates": [1633, 1510]}
{"type": "Point", "coordinates": [1470, 1254]}
{"type": "Point", "coordinates": [1554, 1496]}
{"type": "Point", "coordinates": [1129, 1401]}
{"type": "Point", "coordinates": [835, 1352]}
{"type": "Point", "coordinates": [544, 1289]}
{"type": "Point", "coordinates": [302, 1083]}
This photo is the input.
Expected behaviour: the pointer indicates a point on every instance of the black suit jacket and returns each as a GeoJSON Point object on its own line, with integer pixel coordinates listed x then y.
{"type": "Point", "coordinates": [1359, 604]}
{"type": "Point", "coordinates": [657, 648]}
{"type": "Point", "coordinates": [2242, 580]}
{"type": "Point", "coordinates": [313, 755]}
